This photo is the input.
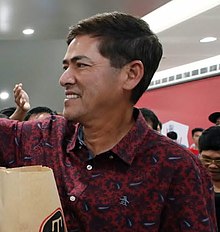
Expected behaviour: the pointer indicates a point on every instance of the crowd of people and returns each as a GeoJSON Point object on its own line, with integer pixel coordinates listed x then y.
{"type": "Point", "coordinates": [114, 170]}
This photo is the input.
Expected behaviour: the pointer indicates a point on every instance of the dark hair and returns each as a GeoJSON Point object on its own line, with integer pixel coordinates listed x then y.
{"type": "Point", "coordinates": [150, 116]}
{"type": "Point", "coordinates": [8, 111]}
{"type": "Point", "coordinates": [160, 125]}
{"type": "Point", "coordinates": [210, 139]}
{"type": "Point", "coordinates": [37, 110]}
{"type": "Point", "coordinates": [197, 129]}
{"type": "Point", "coordinates": [3, 116]}
{"type": "Point", "coordinates": [172, 135]}
{"type": "Point", "coordinates": [123, 38]}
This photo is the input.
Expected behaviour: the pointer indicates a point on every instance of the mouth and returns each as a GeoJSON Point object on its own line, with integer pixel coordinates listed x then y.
{"type": "Point", "coordinates": [72, 96]}
{"type": "Point", "coordinates": [214, 172]}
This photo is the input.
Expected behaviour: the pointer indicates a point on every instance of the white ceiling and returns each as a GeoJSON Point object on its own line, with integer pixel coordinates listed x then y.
{"type": "Point", "coordinates": [181, 42]}
{"type": "Point", "coordinates": [36, 60]}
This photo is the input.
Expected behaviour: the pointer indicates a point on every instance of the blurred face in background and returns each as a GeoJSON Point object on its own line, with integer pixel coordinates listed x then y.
{"type": "Point", "coordinates": [211, 160]}
{"type": "Point", "coordinates": [196, 136]}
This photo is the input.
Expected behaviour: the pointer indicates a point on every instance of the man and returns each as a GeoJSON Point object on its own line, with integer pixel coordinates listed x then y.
{"type": "Point", "coordinates": [215, 118]}
{"type": "Point", "coordinates": [196, 133]}
{"type": "Point", "coordinates": [209, 146]}
{"type": "Point", "coordinates": [113, 173]}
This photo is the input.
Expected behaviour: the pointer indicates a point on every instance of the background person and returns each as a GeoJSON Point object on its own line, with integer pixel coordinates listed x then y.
{"type": "Point", "coordinates": [215, 118]}
{"type": "Point", "coordinates": [209, 147]}
{"type": "Point", "coordinates": [151, 118]}
{"type": "Point", "coordinates": [196, 133]}
{"type": "Point", "coordinates": [23, 112]}
{"type": "Point", "coordinates": [39, 112]}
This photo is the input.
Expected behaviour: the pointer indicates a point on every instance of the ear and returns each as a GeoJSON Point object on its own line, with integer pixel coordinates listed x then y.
{"type": "Point", "coordinates": [134, 73]}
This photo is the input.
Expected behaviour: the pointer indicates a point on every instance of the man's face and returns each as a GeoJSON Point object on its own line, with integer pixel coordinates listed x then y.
{"type": "Point", "coordinates": [92, 86]}
{"type": "Point", "coordinates": [196, 136]}
{"type": "Point", "coordinates": [211, 160]}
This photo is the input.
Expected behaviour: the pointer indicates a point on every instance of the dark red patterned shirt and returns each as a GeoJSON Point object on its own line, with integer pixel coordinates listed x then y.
{"type": "Point", "coordinates": [145, 183]}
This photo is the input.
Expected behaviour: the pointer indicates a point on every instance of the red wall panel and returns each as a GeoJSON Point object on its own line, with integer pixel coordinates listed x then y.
{"type": "Point", "coordinates": [189, 103]}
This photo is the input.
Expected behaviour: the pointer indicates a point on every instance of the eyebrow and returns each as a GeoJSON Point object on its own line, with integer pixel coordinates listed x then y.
{"type": "Point", "coordinates": [208, 157]}
{"type": "Point", "coordinates": [75, 59]}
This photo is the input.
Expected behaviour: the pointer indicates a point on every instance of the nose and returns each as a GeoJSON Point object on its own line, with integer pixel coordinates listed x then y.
{"type": "Point", "coordinates": [62, 79]}
{"type": "Point", "coordinates": [213, 164]}
{"type": "Point", "coordinates": [66, 78]}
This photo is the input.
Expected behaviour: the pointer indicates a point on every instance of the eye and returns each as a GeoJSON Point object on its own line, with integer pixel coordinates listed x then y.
{"type": "Point", "coordinates": [81, 65]}
{"type": "Point", "coordinates": [65, 67]}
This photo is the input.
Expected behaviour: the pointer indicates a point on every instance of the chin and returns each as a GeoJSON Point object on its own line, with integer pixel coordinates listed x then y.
{"type": "Point", "coordinates": [69, 116]}
{"type": "Point", "coordinates": [66, 114]}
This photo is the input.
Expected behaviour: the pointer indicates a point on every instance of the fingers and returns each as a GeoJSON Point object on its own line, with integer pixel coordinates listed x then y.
{"type": "Point", "coordinates": [26, 106]}
{"type": "Point", "coordinates": [21, 98]}
{"type": "Point", "coordinates": [17, 86]}
{"type": "Point", "coordinates": [17, 90]}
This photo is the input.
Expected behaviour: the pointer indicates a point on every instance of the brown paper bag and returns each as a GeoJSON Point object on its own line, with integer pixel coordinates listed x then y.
{"type": "Point", "coordinates": [29, 201]}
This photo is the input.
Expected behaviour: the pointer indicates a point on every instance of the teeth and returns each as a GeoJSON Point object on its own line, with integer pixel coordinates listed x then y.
{"type": "Point", "coordinates": [72, 96]}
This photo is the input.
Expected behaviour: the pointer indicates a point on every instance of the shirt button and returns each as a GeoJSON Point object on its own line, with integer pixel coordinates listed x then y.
{"type": "Point", "coordinates": [89, 167]}
{"type": "Point", "coordinates": [111, 157]}
{"type": "Point", "coordinates": [72, 198]}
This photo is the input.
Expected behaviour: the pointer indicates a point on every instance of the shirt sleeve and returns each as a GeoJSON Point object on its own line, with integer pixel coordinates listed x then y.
{"type": "Point", "coordinates": [190, 200]}
{"type": "Point", "coordinates": [9, 142]}
{"type": "Point", "coordinates": [30, 142]}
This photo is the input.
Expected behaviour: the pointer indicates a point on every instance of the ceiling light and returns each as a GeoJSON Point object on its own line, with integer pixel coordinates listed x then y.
{"type": "Point", "coordinates": [28, 31]}
{"type": "Point", "coordinates": [208, 39]}
{"type": "Point", "coordinates": [177, 11]}
{"type": "Point", "coordinates": [4, 95]}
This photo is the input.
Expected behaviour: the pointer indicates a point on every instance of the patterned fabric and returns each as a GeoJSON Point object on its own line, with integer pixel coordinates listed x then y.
{"type": "Point", "coordinates": [217, 207]}
{"type": "Point", "coordinates": [145, 183]}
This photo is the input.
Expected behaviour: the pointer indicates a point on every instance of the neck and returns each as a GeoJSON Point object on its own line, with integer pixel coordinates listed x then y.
{"type": "Point", "coordinates": [104, 133]}
{"type": "Point", "coordinates": [216, 186]}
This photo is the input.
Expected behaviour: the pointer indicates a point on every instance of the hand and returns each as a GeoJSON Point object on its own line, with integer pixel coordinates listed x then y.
{"type": "Point", "coordinates": [21, 98]}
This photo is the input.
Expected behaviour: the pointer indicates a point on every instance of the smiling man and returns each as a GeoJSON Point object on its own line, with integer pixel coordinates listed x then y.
{"type": "Point", "coordinates": [209, 146]}
{"type": "Point", "coordinates": [112, 171]}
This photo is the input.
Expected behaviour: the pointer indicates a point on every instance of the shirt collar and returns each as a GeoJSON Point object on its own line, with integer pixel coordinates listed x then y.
{"type": "Point", "coordinates": [128, 147]}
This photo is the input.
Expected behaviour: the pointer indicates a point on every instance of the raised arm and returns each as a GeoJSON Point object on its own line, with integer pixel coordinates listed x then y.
{"type": "Point", "coordinates": [22, 103]}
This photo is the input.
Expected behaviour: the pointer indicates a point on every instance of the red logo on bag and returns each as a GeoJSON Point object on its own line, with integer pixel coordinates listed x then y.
{"type": "Point", "coordinates": [54, 222]}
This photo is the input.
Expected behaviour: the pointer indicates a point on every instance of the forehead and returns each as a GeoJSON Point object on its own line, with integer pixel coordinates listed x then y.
{"type": "Point", "coordinates": [83, 45]}
{"type": "Point", "coordinates": [211, 153]}
{"type": "Point", "coordinates": [198, 133]}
